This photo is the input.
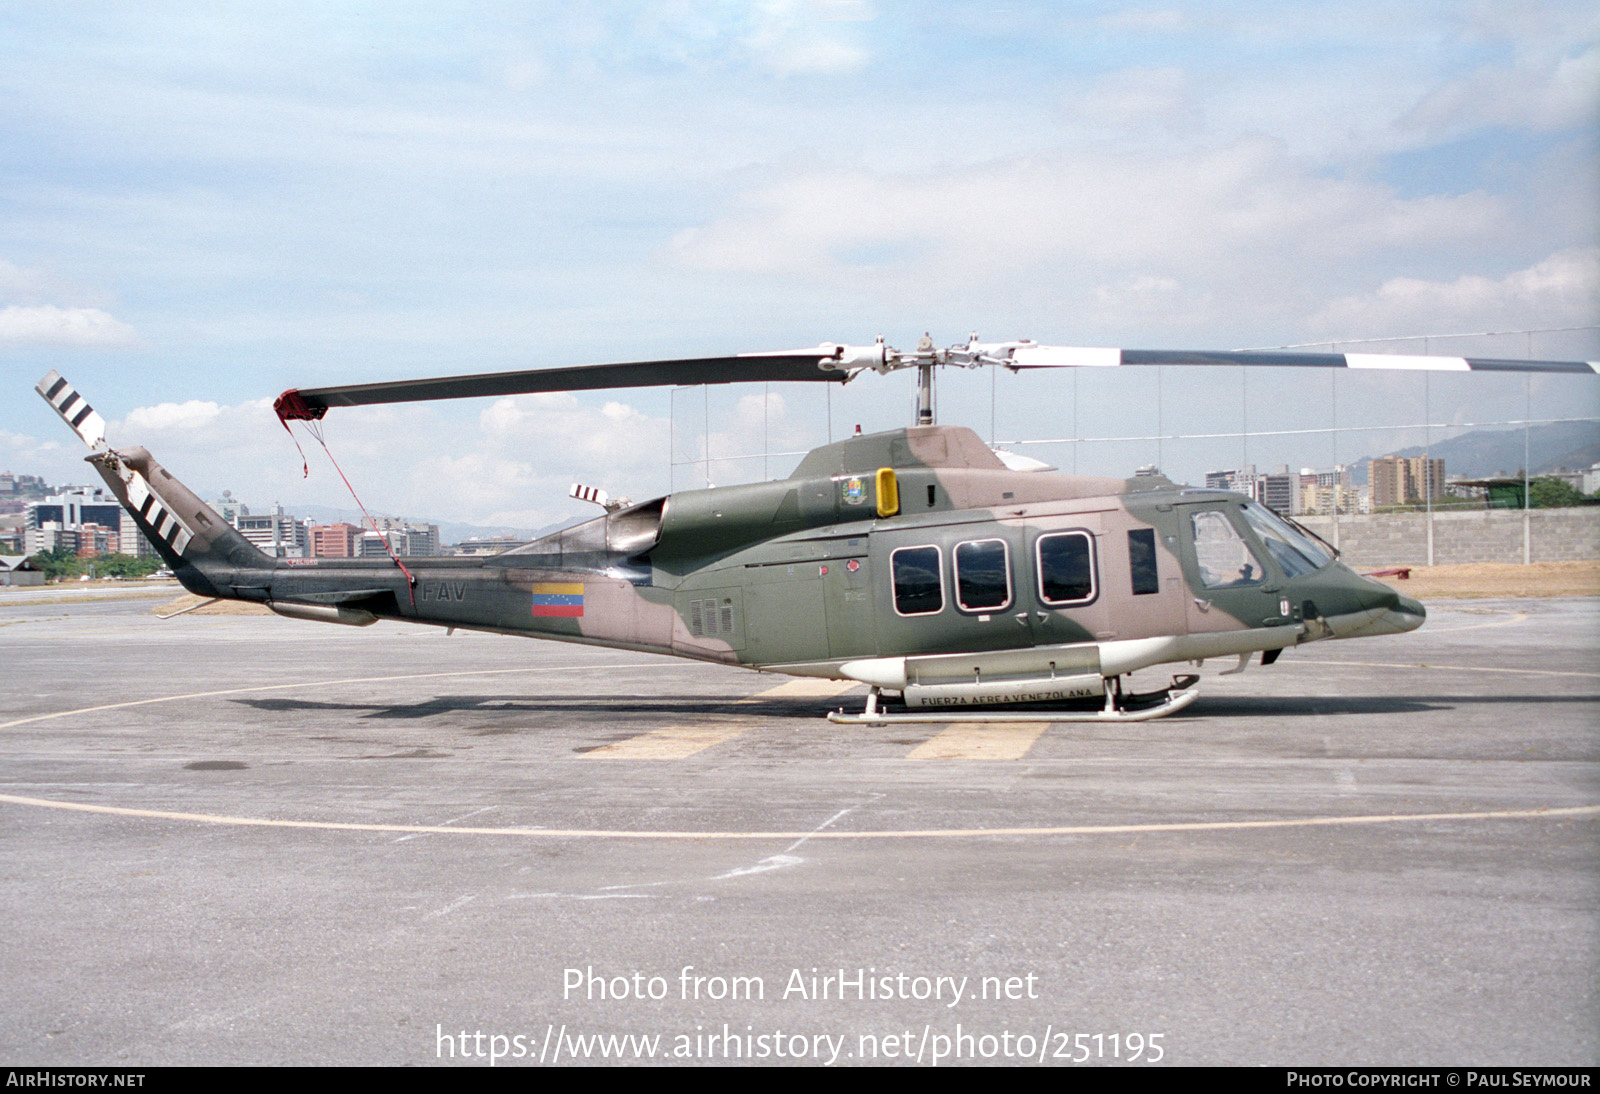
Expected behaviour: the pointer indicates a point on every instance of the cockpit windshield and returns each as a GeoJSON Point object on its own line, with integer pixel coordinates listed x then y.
{"type": "Point", "coordinates": [1294, 552]}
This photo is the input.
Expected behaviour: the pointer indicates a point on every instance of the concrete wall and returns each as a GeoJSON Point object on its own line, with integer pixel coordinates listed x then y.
{"type": "Point", "coordinates": [1464, 535]}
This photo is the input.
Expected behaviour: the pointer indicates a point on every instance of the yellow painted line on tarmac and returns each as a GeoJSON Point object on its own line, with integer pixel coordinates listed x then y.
{"type": "Point", "coordinates": [813, 834]}
{"type": "Point", "coordinates": [980, 741]}
{"type": "Point", "coordinates": [678, 742]}
{"type": "Point", "coordinates": [670, 743]}
{"type": "Point", "coordinates": [804, 687]}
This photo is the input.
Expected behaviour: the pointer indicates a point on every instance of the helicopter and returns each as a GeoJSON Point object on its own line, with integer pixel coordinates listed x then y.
{"type": "Point", "coordinates": [914, 561]}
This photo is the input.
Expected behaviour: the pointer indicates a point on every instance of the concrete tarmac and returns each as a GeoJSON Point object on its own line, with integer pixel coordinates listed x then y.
{"type": "Point", "coordinates": [238, 840]}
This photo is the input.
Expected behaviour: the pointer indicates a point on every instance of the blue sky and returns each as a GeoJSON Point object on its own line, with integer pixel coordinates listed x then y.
{"type": "Point", "coordinates": [205, 204]}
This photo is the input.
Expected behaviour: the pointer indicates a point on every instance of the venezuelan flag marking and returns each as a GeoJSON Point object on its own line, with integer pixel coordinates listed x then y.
{"type": "Point", "coordinates": [558, 598]}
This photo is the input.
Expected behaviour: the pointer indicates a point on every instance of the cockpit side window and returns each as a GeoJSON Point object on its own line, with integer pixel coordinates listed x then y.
{"type": "Point", "coordinates": [1222, 554]}
{"type": "Point", "coordinates": [1142, 561]}
{"type": "Point", "coordinates": [1294, 553]}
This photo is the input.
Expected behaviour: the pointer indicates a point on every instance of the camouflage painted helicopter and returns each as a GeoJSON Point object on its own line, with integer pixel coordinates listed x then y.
{"type": "Point", "coordinates": [914, 561]}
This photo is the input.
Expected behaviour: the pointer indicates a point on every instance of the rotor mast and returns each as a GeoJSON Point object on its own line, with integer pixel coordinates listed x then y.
{"type": "Point", "coordinates": [925, 358]}
{"type": "Point", "coordinates": [924, 394]}
{"type": "Point", "coordinates": [925, 361]}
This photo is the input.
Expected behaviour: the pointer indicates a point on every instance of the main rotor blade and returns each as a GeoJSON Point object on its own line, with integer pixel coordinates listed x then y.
{"type": "Point", "coordinates": [835, 363]}
{"type": "Point", "coordinates": [1031, 357]}
{"type": "Point", "coordinates": [821, 363]}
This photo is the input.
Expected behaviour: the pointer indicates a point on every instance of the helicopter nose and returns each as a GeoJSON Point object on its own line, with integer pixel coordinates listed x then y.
{"type": "Point", "coordinates": [1384, 611]}
{"type": "Point", "coordinates": [1406, 615]}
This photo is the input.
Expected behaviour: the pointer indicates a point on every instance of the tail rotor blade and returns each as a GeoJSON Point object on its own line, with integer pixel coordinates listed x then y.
{"type": "Point", "coordinates": [77, 413]}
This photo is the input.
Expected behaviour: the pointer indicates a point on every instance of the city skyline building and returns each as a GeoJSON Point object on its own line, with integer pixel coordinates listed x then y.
{"type": "Point", "coordinates": [87, 519]}
{"type": "Point", "coordinates": [1405, 480]}
{"type": "Point", "coordinates": [339, 540]}
{"type": "Point", "coordinates": [277, 534]}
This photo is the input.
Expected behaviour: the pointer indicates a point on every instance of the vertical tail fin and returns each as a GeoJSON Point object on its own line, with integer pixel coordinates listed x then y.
{"type": "Point", "coordinates": [204, 551]}
{"type": "Point", "coordinates": [184, 530]}
{"type": "Point", "coordinates": [159, 523]}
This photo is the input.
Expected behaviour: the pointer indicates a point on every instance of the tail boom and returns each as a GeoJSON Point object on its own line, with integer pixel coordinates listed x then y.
{"type": "Point", "coordinates": [205, 552]}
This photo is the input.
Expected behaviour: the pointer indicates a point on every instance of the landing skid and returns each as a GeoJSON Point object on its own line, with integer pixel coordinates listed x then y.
{"type": "Point", "coordinates": [1118, 708]}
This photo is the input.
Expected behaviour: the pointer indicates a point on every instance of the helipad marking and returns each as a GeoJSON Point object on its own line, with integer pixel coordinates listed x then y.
{"type": "Point", "coordinates": [980, 741]}
{"type": "Point", "coordinates": [830, 834]}
{"type": "Point", "coordinates": [804, 687]}
{"type": "Point", "coordinates": [678, 742]}
{"type": "Point", "coordinates": [668, 743]}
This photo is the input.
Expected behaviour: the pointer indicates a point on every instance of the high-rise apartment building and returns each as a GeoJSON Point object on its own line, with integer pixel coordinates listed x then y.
{"type": "Point", "coordinates": [1405, 480]}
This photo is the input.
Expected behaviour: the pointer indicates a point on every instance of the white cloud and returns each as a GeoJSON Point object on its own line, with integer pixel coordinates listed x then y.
{"type": "Point", "coordinates": [338, 206]}
{"type": "Point", "coordinates": [1562, 290]}
{"type": "Point", "coordinates": [49, 325]}
{"type": "Point", "coordinates": [1542, 93]}
{"type": "Point", "coordinates": [1246, 208]}
{"type": "Point", "coordinates": [748, 439]}
{"type": "Point", "coordinates": [560, 424]}
{"type": "Point", "coordinates": [509, 463]}
{"type": "Point", "coordinates": [24, 283]}
{"type": "Point", "coordinates": [29, 456]}
{"type": "Point", "coordinates": [1143, 299]}
{"type": "Point", "coordinates": [206, 442]}
{"type": "Point", "coordinates": [1135, 98]}
{"type": "Point", "coordinates": [191, 415]}
{"type": "Point", "coordinates": [35, 316]}
{"type": "Point", "coordinates": [794, 38]}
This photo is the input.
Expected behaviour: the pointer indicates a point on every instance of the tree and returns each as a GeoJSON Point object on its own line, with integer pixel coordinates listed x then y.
{"type": "Point", "coordinates": [126, 566]}
{"type": "Point", "coordinates": [1549, 492]}
{"type": "Point", "coordinates": [58, 562]}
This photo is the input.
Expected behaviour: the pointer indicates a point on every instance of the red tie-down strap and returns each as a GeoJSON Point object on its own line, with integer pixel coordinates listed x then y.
{"type": "Point", "coordinates": [292, 406]}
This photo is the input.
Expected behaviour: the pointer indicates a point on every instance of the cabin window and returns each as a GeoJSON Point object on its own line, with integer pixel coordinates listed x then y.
{"type": "Point", "coordinates": [918, 580]}
{"type": "Point", "coordinates": [1142, 561]}
{"type": "Point", "coordinates": [1221, 553]}
{"type": "Point", "coordinates": [1066, 568]}
{"type": "Point", "coordinates": [983, 575]}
